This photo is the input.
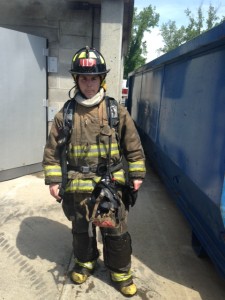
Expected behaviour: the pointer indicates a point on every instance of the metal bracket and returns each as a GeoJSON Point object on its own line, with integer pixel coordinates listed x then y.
{"type": "Point", "coordinates": [45, 102]}
{"type": "Point", "coordinates": [52, 64]}
{"type": "Point", "coordinates": [45, 51]}
{"type": "Point", "coordinates": [51, 113]}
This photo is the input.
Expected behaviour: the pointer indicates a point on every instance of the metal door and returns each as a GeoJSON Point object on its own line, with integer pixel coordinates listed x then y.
{"type": "Point", "coordinates": [22, 94]}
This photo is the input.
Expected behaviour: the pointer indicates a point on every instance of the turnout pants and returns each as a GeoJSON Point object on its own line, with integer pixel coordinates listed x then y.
{"type": "Point", "coordinates": [116, 241]}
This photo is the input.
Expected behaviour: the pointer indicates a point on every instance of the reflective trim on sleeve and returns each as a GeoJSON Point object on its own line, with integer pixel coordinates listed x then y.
{"type": "Point", "coordinates": [137, 166]}
{"type": "Point", "coordinates": [52, 171]}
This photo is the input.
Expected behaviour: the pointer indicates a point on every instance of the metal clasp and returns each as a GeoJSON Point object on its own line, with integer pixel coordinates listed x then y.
{"type": "Point", "coordinates": [85, 169]}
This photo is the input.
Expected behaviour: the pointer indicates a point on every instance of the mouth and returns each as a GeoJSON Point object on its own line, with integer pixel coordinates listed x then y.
{"type": "Point", "coordinates": [89, 92]}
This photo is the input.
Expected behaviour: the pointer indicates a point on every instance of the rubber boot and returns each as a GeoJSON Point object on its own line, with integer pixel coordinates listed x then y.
{"type": "Point", "coordinates": [82, 271]}
{"type": "Point", "coordinates": [124, 283]}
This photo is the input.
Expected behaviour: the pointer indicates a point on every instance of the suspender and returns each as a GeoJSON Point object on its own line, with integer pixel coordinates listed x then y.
{"type": "Point", "coordinates": [65, 132]}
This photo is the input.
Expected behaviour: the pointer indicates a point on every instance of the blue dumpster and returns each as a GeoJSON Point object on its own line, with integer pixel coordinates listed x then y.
{"type": "Point", "coordinates": [178, 104]}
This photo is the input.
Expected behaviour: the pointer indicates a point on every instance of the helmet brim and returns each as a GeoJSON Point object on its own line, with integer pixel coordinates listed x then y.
{"type": "Point", "coordinates": [89, 73]}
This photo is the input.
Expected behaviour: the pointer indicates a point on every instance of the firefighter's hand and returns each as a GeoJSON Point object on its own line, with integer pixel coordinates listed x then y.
{"type": "Point", "coordinates": [137, 183]}
{"type": "Point", "coordinates": [54, 190]}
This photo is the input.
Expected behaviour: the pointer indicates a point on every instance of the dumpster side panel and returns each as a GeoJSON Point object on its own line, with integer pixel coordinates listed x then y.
{"type": "Point", "coordinates": [192, 123]}
{"type": "Point", "coordinates": [180, 114]}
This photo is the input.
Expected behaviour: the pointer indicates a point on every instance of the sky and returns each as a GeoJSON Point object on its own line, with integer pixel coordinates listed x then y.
{"type": "Point", "coordinates": [173, 10]}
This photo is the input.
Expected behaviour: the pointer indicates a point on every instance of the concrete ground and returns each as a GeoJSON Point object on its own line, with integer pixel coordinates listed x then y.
{"type": "Point", "coordinates": [36, 251]}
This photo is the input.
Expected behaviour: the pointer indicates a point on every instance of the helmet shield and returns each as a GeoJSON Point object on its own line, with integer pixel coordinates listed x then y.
{"type": "Point", "coordinates": [88, 61]}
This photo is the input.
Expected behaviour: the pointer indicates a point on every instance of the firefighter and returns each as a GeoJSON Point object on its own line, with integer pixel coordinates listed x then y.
{"type": "Point", "coordinates": [87, 158]}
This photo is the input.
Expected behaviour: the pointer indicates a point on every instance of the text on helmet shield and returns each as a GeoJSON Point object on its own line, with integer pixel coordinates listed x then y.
{"type": "Point", "coordinates": [87, 62]}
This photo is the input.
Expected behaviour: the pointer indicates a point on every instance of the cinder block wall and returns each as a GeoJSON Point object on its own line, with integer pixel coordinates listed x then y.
{"type": "Point", "coordinates": [72, 35]}
{"type": "Point", "coordinates": [66, 30]}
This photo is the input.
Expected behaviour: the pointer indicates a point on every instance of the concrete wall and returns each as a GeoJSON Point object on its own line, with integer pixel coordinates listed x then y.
{"type": "Point", "coordinates": [79, 31]}
{"type": "Point", "coordinates": [69, 27]}
{"type": "Point", "coordinates": [111, 41]}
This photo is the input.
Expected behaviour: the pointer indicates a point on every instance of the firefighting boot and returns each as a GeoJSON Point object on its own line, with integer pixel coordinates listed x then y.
{"type": "Point", "coordinates": [82, 271]}
{"type": "Point", "coordinates": [124, 283]}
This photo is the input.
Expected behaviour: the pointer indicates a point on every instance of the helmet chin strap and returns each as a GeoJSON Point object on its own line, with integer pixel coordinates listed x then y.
{"type": "Point", "coordinates": [74, 87]}
{"type": "Point", "coordinates": [75, 77]}
{"type": "Point", "coordinates": [69, 93]}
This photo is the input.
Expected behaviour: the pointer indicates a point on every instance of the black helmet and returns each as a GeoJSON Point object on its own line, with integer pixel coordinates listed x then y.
{"type": "Point", "coordinates": [105, 205]}
{"type": "Point", "coordinates": [88, 61]}
{"type": "Point", "coordinates": [109, 198]}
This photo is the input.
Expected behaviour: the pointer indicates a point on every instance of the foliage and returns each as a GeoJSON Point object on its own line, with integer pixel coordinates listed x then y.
{"type": "Point", "coordinates": [142, 22]}
{"type": "Point", "coordinates": [174, 37]}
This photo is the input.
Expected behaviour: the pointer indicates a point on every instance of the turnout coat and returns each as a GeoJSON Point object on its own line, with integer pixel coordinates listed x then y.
{"type": "Point", "coordinates": [89, 147]}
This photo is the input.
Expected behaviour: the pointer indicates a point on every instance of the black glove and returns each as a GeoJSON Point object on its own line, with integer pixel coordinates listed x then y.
{"type": "Point", "coordinates": [129, 196]}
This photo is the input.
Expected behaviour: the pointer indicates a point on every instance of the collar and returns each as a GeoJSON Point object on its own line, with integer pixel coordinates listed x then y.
{"type": "Point", "coordinates": [92, 101]}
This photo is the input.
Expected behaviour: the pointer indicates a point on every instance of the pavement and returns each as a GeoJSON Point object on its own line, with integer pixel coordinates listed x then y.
{"type": "Point", "coordinates": [36, 249]}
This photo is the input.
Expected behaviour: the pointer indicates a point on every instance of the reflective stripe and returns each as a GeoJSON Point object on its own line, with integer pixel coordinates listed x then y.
{"type": "Point", "coordinates": [91, 53]}
{"type": "Point", "coordinates": [52, 171]}
{"type": "Point", "coordinates": [88, 265]}
{"type": "Point", "coordinates": [93, 150]}
{"type": "Point", "coordinates": [87, 185]}
{"type": "Point", "coordinates": [137, 166]}
{"type": "Point", "coordinates": [84, 54]}
{"type": "Point", "coordinates": [84, 185]}
{"type": "Point", "coordinates": [121, 276]}
{"type": "Point", "coordinates": [119, 176]}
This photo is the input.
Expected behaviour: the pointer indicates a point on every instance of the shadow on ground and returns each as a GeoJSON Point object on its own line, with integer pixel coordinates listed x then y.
{"type": "Point", "coordinates": [43, 238]}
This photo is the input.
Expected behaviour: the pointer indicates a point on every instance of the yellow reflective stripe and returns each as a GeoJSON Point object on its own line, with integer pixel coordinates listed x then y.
{"type": "Point", "coordinates": [91, 55]}
{"type": "Point", "coordinates": [137, 166]}
{"type": "Point", "coordinates": [93, 150]}
{"type": "Point", "coordinates": [89, 264]}
{"type": "Point", "coordinates": [80, 185]}
{"type": "Point", "coordinates": [121, 276]}
{"type": "Point", "coordinates": [119, 176]}
{"type": "Point", "coordinates": [87, 185]}
{"type": "Point", "coordinates": [84, 55]}
{"type": "Point", "coordinates": [96, 179]}
{"type": "Point", "coordinates": [52, 171]}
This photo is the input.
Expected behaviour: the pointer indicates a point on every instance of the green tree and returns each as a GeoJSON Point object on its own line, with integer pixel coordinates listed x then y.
{"type": "Point", "coordinates": [142, 22]}
{"type": "Point", "coordinates": [174, 37]}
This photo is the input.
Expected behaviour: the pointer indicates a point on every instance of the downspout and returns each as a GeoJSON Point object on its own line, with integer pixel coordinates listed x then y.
{"type": "Point", "coordinates": [93, 25]}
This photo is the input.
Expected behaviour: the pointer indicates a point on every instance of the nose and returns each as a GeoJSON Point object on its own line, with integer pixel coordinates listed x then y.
{"type": "Point", "coordinates": [89, 81]}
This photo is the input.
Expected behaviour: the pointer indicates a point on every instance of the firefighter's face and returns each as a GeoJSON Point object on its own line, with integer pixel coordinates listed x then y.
{"type": "Point", "coordinates": [89, 85]}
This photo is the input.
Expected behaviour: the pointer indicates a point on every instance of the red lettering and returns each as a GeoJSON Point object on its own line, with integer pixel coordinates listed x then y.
{"type": "Point", "coordinates": [87, 62]}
